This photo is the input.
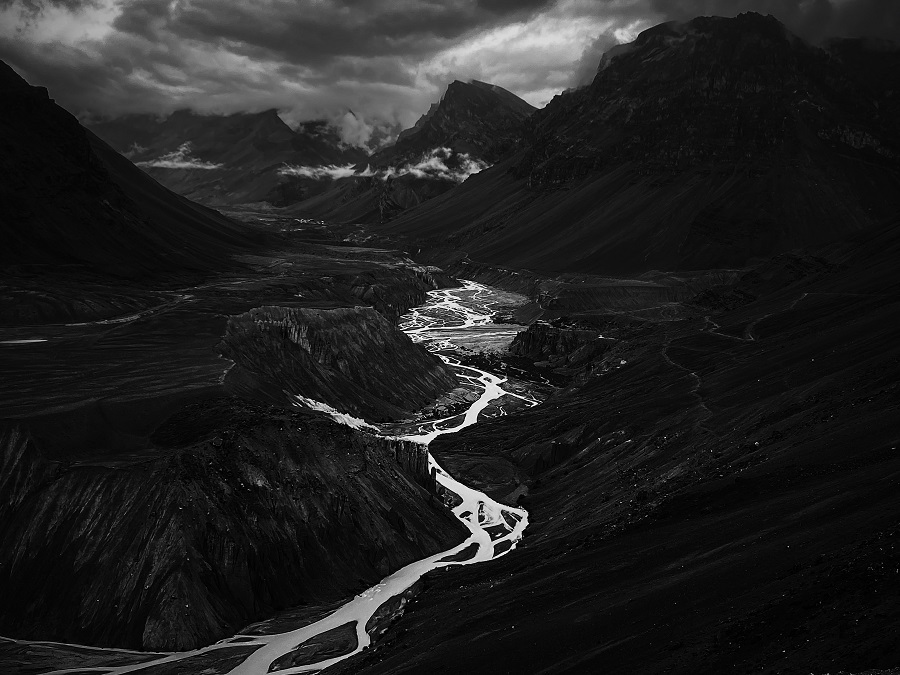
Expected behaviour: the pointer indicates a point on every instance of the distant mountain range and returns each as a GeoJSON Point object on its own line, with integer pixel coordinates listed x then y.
{"type": "Point", "coordinates": [226, 159]}
{"type": "Point", "coordinates": [698, 145]}
{"type": "Point", "coordinates": [248, 158]}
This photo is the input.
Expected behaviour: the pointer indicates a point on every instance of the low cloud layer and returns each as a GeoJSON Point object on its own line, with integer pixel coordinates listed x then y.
{"type": "Point", "coordinates": [319, 172]}
{"type": "Point", "coordinates": [179, 159]}
{"type": "Point", "coordinates": [439, 163]}
{"type": "Point", "coordinates": [386, 60]}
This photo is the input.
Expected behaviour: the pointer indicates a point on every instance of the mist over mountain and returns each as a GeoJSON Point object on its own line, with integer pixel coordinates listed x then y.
{"type": "Point", "coordinates": [225, 159]}
{"type": "Point", "coordinates": [472, 126]}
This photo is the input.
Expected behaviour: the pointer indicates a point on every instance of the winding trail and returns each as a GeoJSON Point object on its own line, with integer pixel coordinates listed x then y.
{"type": "Point", "coordinates": [494, 528]}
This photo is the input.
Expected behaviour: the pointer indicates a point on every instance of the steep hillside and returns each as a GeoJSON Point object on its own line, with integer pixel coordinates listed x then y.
{"type": "Point", "coordinates": [228, 159]}
{"type": "Point", "coordinates": [69, 199]}
{"type": "Point", "coordinates": [718, 493]}
{"type": "Point", "coordinates": [698, 145]}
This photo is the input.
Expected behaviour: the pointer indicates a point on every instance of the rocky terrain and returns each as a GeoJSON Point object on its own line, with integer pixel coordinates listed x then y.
{"type": "Point", "coordinates": [700, 145]}
{"type": "Point", "coordinates": [237, 512]}
{"type": "Point", "coordinates": [711, 492]}
{"type": "Point", "coordinates": [347, 357]}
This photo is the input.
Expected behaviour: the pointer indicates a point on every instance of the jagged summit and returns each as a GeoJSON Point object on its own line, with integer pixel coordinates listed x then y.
{"type": "Point", "coordinates": [475, 118]}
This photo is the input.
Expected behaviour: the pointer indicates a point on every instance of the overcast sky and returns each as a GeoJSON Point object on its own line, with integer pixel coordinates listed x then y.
{"type": "Point", "coordinates": [385, 59]}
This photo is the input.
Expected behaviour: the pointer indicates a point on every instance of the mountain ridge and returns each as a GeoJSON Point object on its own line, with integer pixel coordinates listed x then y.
{"type": "Point", "coordinates": [704, 144]}
{"type": "Point", "coordinates": [70, 199]}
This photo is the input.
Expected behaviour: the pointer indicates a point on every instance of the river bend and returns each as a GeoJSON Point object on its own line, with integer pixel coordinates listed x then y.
{"type": "Point", "coordinates": [450, 319]}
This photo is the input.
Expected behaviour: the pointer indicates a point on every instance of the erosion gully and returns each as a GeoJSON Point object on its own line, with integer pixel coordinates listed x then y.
{"type": "Point", "coordinates": [450, 320]}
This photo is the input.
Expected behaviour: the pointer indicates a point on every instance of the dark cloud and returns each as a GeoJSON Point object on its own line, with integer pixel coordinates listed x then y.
{"type": "Point", "coordinates": [37, 7]}
{"type": "Point", "coordinates": [315, 33]}
{"type": "Point", "coordinates": [385, 59]}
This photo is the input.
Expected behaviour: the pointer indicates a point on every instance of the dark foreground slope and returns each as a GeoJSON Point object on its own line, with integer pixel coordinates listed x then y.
{"type": "Point", "coordinates": [718, 493]}
{"type": "Point", "coordinates": [700, 145]}
{"type": "Point", "coordinates": [238, 512]}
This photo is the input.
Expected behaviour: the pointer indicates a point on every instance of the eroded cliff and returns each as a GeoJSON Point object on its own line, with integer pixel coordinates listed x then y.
{"type": "Point", "coordinates": [183, 546]}
{"type": "Point", "coordinates": [351, 358]}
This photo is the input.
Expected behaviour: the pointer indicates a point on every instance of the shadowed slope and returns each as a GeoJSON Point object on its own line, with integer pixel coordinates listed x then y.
{"type": "Point", "coordinates": [701, 145]}
{"type": "Point", "coordinates": [712, 494]}
{"type": "Point", "coordinates": [70, 199]}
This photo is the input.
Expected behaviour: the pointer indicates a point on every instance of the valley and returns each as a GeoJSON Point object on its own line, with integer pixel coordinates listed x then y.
{"type": "Point", "coordinates": [450, 318]}
{"type": "Point", "coordinates": [605, 384]}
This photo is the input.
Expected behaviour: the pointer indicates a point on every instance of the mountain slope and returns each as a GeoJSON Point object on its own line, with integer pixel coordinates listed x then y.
{"type": "Point", "coordinates": [70, 199]}
{"type": "Point", "coordinates": [226, 159]}
{"type": "Point", "coordinates": [474, 118]}
{"type": "Point", "coordinates": [698, 145]}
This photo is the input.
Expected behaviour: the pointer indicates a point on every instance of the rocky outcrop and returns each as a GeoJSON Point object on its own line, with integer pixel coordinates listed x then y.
{"type": "Point", "coordinates": [182, 547]}
{"type": "Point", "coordinates": [549, 345]}
{"type": "Point", "coordinates": [394, 290]}
{"type": "Point", "coordinates": [353, 359]}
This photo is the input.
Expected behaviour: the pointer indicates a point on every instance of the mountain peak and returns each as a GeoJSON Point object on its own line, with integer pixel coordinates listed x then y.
{"type": "Point", "coordinates": [470, 118]}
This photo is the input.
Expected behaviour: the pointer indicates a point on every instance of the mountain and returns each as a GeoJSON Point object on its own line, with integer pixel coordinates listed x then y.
{"type": "Point", "coordinates": [472, 118]}
{"type": "Point", "coordinates": [699, 145]}
{"type": "Point", "coordinates": [474, 125]}
{"type": "Point", "coordinates": [69, 199]}
{"type": "Point", "coordinates": [227, 159]}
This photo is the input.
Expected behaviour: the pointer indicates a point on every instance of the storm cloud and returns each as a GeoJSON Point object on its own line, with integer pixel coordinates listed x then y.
{"type": "Point", "coordinates": [387, 60]}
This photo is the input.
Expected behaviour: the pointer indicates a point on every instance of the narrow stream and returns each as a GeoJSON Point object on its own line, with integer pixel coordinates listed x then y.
{"type": "Point", "coordinates": [449, 318]}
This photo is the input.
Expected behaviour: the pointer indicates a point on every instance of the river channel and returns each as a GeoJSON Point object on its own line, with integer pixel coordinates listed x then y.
{"type": "Point", "coordinates": [452, 322]}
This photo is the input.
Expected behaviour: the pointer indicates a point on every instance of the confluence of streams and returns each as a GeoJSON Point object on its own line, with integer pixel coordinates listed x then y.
{"type": "Point", "coordinates": [493, 527]}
